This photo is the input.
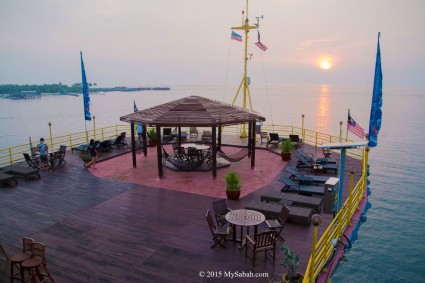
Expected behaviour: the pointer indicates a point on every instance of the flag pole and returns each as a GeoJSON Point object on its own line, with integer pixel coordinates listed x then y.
{"type": "Point", "coordinates": [346, 134]}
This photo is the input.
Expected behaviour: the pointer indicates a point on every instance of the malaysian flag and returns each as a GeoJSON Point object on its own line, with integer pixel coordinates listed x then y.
{"type": "Point", "coordinates": [355, 128]}
{"type": "Point", "coordinates": [236, 36]}
{"type": "Point", "coordinates": [259, 44]}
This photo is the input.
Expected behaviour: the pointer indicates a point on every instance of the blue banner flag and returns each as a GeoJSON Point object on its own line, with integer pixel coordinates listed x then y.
{"type": "Point", "coordinates": [86, 97]}
{"type": "Point", "coordinates": [135, 107]}
{"type": "Point", "coordinates": [376, 112]}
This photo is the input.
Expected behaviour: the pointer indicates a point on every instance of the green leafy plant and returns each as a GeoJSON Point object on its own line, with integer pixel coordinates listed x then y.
{"type": "Point", "coordinates": [233, 181]}
{"type": "Point", "coordinates": [291, 261]}
{"type": "Point", "coordinates": [151, 133]}
{"type": "Point", "coordinates": [286, 146]}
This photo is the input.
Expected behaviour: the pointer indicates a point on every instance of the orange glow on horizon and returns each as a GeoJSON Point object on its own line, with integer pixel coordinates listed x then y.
{"type": "Point", "coordinates": [325, 63]}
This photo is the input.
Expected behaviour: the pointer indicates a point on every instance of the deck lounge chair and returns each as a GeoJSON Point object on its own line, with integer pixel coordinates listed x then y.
{"type": "Point", "coordinates": [305, 179]}
{"type": "Point", "coordinates": [306, 163]}
{"type": "Point", "coordinates": [274, 139]}
{"type": "Point", "coordinates": [120, 140]}
{"type": "Point", "coordinates": [21, 171]}
{"type": "Point", "coordinates": [296, 141]}
{"type": "Point", "coordinates": [310, 156]}
{"type": "Point", "coordinates": [272, 211]}
{"type": "Point", "coordinates": [7, 178]}
{"type": "Point", "coordinates": [291, 185]}
{"type": "Point", "coordinates": [315, 203]}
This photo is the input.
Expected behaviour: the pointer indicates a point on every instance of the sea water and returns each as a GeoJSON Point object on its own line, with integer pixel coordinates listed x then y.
{"type": "Point", "coordinates": [390, 247]}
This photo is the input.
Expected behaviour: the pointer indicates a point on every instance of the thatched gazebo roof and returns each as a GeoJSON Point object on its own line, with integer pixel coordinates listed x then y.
{"type": "Point", "coordinates": [193, 111]}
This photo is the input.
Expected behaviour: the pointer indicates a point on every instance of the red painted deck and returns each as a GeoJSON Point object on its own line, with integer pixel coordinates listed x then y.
{"type": "Point", "coordinates": [121, 224]}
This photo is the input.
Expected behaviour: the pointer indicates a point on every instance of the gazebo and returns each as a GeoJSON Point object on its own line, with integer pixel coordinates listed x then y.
{"type": "Point", "coordinates": [193, 111]}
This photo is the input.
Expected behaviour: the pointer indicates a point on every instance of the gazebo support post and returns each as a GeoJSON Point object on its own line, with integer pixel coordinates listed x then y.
{"type": "Point", "coordinates": [158, 151]}
{"type": "Point", "coordinates": [219, 138]}
{"type": "Point", "coordinates": [214, 151]}
{"type": "Point", "coordinates": [144, 141]}
{"type": "Point", "coordinates": [249, 139]}
{"type": "Point", "coordinates": [133, 144]}
{"type": "Point", "coordinates": [180, 135]}
{"type": "Point", "coordinates": [253, 145]}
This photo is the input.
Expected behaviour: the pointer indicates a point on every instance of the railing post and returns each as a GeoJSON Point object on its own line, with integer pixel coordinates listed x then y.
{"type": "Point", "coordinates": [316, 138]}
{"type": "Point", "coordinates": [10, 156]}
{"type": "Point", "coordinates": [316, 222]}
{"type": "Point", "coordinates": [51, 139]}
{"type": "Point", "coordinates": [103, 136]}
{"type": "Point", "coordinates": [350, 196]}
{"type": "Point", "coordinates": [70, 141]}
{"type": "Point", "coordinates": [302, 127]}
{"type": "Point", "coordinates": [94, 127]}
{"type": "Point", "coordinates": [340, 131]}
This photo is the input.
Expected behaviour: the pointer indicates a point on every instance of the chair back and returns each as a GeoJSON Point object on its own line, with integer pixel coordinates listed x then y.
{"type": "Point", "coordinates": [27, 158]}
{"type": "Point", "coordinates": [62, 148]}
{"type": "Point", "coordinates": [123, 134]}
{"type": "Point", "coordinates": [166, 131]}
{"type": "Point", "coordinates": [27, 244]}
{"type": "Point", "coordinates": [294, 138]}
{"type": "Point", "coordinates": [283, 216]}
{"type": "Point", "coordinates": [274, 136]}
{"type": "Point", "coordinates": [210, 222]}
{"type": "Point", "coordinates": [220, 207]}
{"type": "Point", "coordinates": [193, 130]}
{"type": "Point", "coordinates": [265, 239]}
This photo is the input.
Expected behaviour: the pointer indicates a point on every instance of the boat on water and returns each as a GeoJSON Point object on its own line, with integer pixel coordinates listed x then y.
{"type": "Point", "coordinates": [122, 220]}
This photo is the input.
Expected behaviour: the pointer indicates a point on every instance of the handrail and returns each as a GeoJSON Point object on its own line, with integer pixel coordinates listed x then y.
{"type": "Point", "coordinates": [336, 228]}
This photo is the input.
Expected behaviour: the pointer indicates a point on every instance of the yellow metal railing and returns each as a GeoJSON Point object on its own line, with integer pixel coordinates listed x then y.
{"type": "Point", "coordinates": [336, 228]}
{"type": "Point", "coordinates": [11, 155]}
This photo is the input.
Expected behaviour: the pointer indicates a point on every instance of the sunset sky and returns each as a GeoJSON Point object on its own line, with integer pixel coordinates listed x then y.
{"type": "Point", "coordinates": [187, 42]}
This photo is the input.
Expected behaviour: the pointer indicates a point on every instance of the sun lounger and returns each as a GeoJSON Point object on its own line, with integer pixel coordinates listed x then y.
{"type": "Point", "coordinates": [320, 160]}
{"type": "Point", "coordinates": [305, 179]}
{"type": "Point", "coordinates": [17, 170]}
{"type": "Point", "coordinates": [272, 210]}
{"type": "Point", "coordinates": [274, 139]}
{"type": "Point", "coordinates": [295, 199]}
{"type": "Point", "coordinates": [291, 185]}
{"type": "Point", "coordinates": [6, 178]}
{"type": "Point", "coordinates": [306, 163]}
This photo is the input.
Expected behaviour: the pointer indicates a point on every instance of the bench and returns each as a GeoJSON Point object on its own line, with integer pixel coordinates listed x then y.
{"type": "Point", "coordinates": [17, 170]}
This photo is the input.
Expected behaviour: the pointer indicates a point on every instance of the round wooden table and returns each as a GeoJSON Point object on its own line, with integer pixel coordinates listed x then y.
{"type": "Point", "coordinates": [244, 218]}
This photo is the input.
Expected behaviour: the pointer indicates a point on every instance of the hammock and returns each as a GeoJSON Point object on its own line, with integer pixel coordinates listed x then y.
{"type": "Point", "coordinates": [182, 165]}
{"type": "Point", "coordinates": [238, 156]}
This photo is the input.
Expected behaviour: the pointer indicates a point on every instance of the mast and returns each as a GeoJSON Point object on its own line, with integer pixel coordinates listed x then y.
{"type": "Point", "coordinates": [246, 92]}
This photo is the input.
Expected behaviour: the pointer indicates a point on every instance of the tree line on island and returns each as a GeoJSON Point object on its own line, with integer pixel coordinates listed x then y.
{"type": "Point", "coordinates": [65, 89]}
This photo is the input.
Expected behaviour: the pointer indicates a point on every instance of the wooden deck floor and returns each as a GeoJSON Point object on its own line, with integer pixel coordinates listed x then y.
{"type": "Point", "coordinates": [100, 230]}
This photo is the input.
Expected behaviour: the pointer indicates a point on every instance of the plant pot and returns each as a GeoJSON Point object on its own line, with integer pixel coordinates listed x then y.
{"type": "Point", "coordinates": [233, 195]}
{"type": "Point", "coordinates": [152, 143]}
{"type": "Point", "coordinates": [286, 156]}
{"type": "Point", "coordinates": [298, 278]}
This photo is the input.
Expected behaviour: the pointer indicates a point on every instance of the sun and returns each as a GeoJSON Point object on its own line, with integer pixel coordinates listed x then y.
{"type": "Point", "coordinates": [325, 64]}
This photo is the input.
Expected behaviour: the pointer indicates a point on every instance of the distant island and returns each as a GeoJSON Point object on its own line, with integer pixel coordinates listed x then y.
{"type": "Point", "coordinates": [30, 91]}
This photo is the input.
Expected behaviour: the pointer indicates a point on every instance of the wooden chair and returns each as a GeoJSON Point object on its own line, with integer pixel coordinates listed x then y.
{"type": "Point", "coordinates": [4, 252]}
{"type": "Point", "coordinates": [265, 241]}
{"type": "Point", "coordinates": [219, 233]}
{"type": "Point", "coordinates": [279, 223]}
{"type": "Point", "coordinates": [18, 259]}
{"type": "Point", "coordinates": [220, 210]}
{"type": "Point", "coordinates": [32, 162]}
{"type": "Point", "coordinates": [36, 265]}
{"type": "Point", "coordinates": [264, 135]}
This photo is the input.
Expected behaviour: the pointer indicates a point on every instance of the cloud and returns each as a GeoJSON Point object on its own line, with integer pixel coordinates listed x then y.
{"type": "Point", "coordinates": [310, 42]}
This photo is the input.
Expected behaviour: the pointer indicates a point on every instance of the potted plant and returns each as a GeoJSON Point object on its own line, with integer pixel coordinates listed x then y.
{"type": "Point", "coordinates": [286, 148]}
{"type": "Point", "coordinates": [290, 261]}
{"type": "Point", "coordinates": [151, 133]}
{"type": "Point", "coordinates": [233, 185]}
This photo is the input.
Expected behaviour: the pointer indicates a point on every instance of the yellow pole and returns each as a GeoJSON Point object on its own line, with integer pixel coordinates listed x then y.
{"type": "Point", "coordinates": [340, 131]}
{"type": "Point", "coordinates": [302, 127]}
{"type": "Point", "coordinates": [94, 127]}
{"type": "Point", "coordinates": [350, 197]}
{"type": "Point", "coordinates": [365, 166]}
{"type": "Point", "coordinates": [51, 139]}
{"type": "Point", "coordinates": [316, 222]}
